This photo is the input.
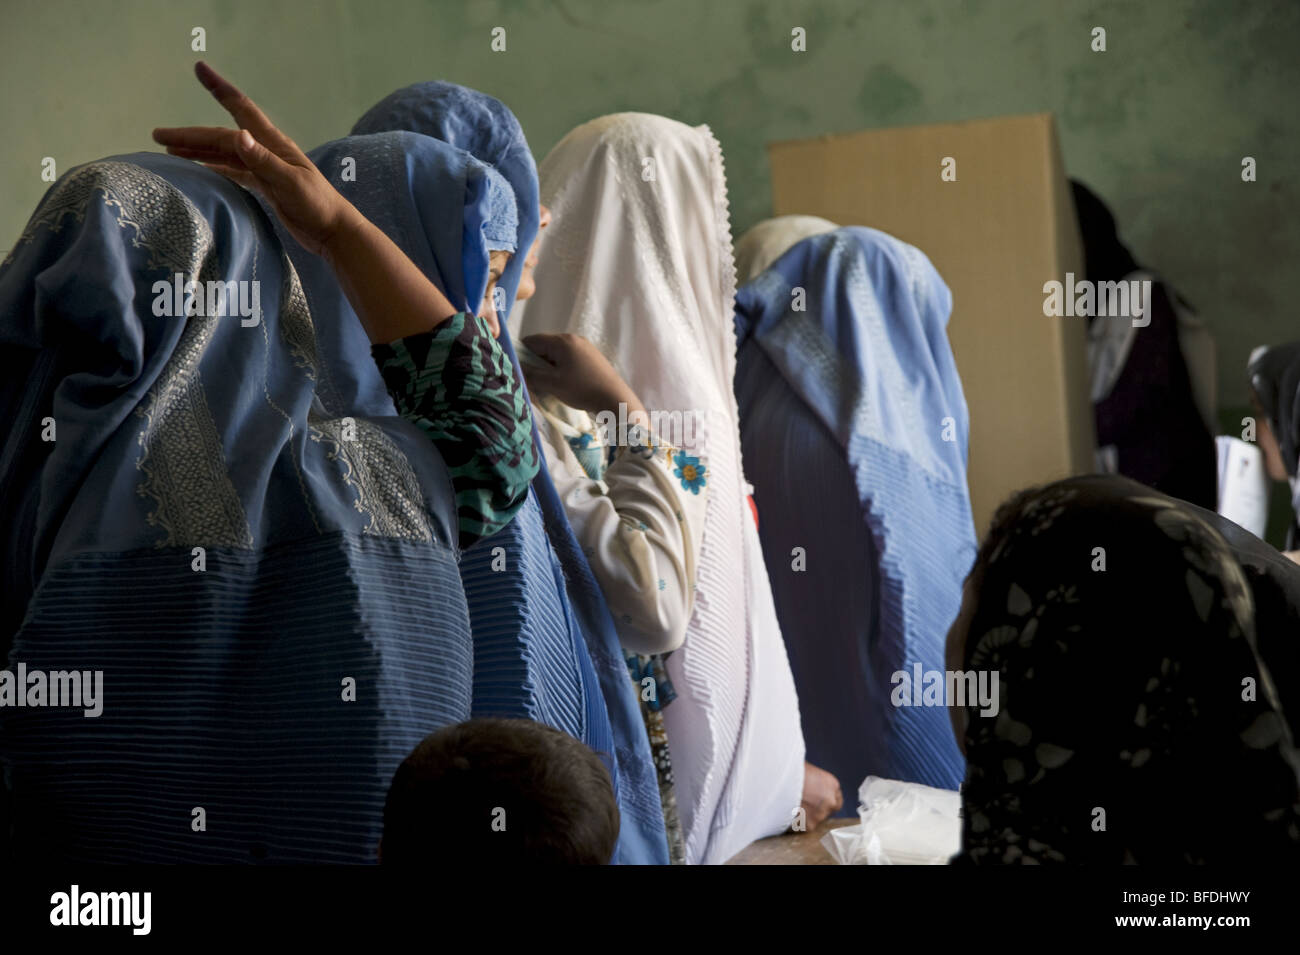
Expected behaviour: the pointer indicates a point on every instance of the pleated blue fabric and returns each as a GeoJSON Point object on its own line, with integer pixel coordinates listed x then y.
{"type": "Point", "coordinates": [486, 127]}
{"type": "Point", "coordinates": [530, 660]}
{"type": "Point", "coordinates": [264, 573]}
{"type": "Point", "coordinates": [851, 407]}
{"type": "Point", "coordinates": [521, 669]}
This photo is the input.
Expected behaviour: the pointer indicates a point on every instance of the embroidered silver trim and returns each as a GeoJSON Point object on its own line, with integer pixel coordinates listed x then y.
{"type": "Point", "coordinates": [388, 492]}
{"type": "Point", "coordinates": [296, 326]}
{"type": "Point", "coordinates": [164, 222]}
{"type": "Point", "coordinates": [181, 456]}
{"type": "Point", "coordinates": [182, 459]}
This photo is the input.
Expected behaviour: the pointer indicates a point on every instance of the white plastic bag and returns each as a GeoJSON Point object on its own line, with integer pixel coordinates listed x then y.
{"type": "Point", "coordinates": [902, 824]}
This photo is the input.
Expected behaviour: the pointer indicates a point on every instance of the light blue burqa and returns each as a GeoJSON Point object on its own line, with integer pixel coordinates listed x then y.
{"type": "Point", "coordinates": [854, 431]}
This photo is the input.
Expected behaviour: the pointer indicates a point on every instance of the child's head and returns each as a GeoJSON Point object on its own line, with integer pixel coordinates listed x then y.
{"type": "Point", "coordinates": [500, 791]}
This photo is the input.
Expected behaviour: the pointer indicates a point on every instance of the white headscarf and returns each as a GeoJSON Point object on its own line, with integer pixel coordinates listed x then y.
{"type": "Point", "coordinates": [638, 259]}
{"type": "Point", "coordinates": [766, 242]}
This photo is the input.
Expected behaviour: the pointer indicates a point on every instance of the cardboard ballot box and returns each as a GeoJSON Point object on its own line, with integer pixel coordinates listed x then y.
{"type": "Point", "coordinates": [1000, 230]}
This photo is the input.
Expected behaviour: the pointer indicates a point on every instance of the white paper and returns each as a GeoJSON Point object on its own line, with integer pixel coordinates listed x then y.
{"type": "Point", "coordinates": [1243, 484]}
{"type": "Point", "coordinates": [901, 824]}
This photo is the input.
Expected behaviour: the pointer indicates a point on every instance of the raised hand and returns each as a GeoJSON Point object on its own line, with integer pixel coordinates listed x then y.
{"type": "Point", "coordinates": [261, 158]}
{"type": "Point", "coordinates": [391, 296]}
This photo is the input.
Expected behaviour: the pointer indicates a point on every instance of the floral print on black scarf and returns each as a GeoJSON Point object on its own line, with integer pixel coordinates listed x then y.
{"type": "Point", "coordinates": [1135, 721]}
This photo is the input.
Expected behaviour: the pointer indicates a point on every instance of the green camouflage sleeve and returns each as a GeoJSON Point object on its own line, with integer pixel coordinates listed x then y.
{"type": "Point", "coordinates": [457, 384]}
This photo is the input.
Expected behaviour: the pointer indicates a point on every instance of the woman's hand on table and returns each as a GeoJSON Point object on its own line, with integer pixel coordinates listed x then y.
{"type": "Point", "coordinates": [821, 796]}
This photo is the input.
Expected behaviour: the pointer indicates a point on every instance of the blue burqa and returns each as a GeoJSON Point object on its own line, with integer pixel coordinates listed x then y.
{"type": "Point", "coordinates": [218, 514]}
{"type": "Point", "coordinates": [509, 644]}
{"type": "Point", "coordinates": [854, 432]}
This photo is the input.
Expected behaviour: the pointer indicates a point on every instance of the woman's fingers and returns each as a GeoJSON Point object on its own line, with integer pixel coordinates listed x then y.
{"type": "Point", "coordinates": [245, 112]}
{"type": "Point", "coordinates": [241, 176]}
{"type": "Point", "coordinates": [206, 155]}
{"type": "Point", "coordinates": [196, 137]}
{"type": "Point", "coordinates": [232, 147]}
{"type": "Point", "coordinates": [257, 157]}
{"type": "Point", "coordinates": [235, 148]}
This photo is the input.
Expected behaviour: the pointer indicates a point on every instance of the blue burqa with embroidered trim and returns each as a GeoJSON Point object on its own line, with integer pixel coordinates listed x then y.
{"type": "Point", "coordinates": [530, 659]}
{"type": "Point", "coordinates": [259, 559]}
{"type": "Point", "coordinates": [507, 647]}
{"type": "Point", "coordinates": [854, 432]}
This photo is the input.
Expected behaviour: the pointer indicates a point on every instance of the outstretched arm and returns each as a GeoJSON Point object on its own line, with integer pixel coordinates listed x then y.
{"type": "Point", "coordinates": [443, 368]}
{"type": "Point", "coordinates": [390, 294]}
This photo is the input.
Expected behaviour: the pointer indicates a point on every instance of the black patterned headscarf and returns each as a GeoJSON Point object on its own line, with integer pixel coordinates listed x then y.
{"type": "Point", "coordinates": [1121, 630]}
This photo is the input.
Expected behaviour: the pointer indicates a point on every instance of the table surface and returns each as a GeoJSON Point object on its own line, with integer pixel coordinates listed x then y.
{"type": "Point", "coordinates": [791, 848]}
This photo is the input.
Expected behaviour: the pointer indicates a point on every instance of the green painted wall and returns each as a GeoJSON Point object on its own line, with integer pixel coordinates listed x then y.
{"type": "Point", "coordinates": [1158, 123]}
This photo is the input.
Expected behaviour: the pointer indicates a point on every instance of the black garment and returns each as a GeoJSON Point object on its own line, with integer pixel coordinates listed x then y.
{"type": "Point", "coordinates": [1150, 416]}
{"type": "Point", "coordinates": [1106, 258]}
{"type": "Point", "coordinates": [1120, 627]}
{"type": "Point", "coordinates": [1275, 586]}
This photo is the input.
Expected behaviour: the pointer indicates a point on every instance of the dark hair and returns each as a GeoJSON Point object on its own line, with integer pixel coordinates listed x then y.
{"type": "Point", "coordinates": [1105, 257]}
{"type": "Point", "coordinates": [497, 791]}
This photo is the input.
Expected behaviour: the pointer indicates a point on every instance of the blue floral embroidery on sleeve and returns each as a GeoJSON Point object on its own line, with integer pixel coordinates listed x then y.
{"type": "Point", "coordinates": [691, 473]}
{"type": "Point", "coordinates": [591, 457]}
